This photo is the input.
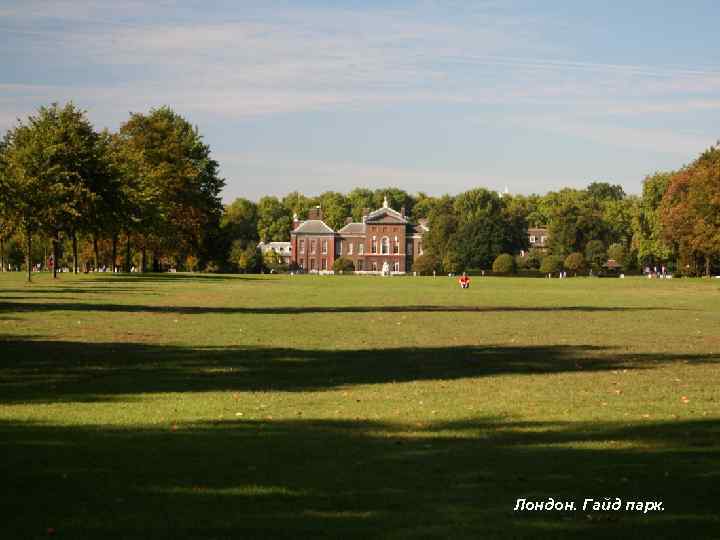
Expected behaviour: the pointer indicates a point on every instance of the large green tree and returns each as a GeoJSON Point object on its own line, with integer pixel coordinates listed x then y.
{"type": "Point", "coordinates": [335, 208]}
{"type": "Point", "coordinates": [274, 220]}
{"type": "Point", "coordinates": [487, 227]}
{"type": "Point", "coordinates": [238, 228]}
{"type": "Point", "coordinates": [50, 164]}
{"type": "Point", "coordinates": [575, 218]}
{"type": "Point", "coordinates": [360, 199]}
{"type": "Point", "coordinates": [177, 185]}
{"type": "Point", "coordinates": [648, 240]}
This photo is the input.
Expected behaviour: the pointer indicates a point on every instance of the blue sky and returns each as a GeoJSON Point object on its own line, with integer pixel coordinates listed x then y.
{"type": "Point", "coordinates": [429, 96]}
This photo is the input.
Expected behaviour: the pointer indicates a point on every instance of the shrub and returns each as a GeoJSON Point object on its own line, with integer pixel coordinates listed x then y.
{"type": "Point", "coordinates": [426, 264]}
{"type": "Point", "coordinates": [534, 258]}
{"type": "Point", "coordinates": [521, 262]}
{"type": "Point", "coordinates": [575, 262]}
{"type": "Point", "coordinates": [551, 264]}
{"type": "Point", "coordinates": [618, 253]}
{"type": "Point", "coordinates": [504, 264]}
{"type": "Point", "coordinates": [343, 264]}
{"type": "Point", "coordinates": [595, 254]}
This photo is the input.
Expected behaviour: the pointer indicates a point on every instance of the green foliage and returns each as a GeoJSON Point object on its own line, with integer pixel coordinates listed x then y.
{"type": "Point", "coordinates": [575, 262]}
{"type": "Point", "coordinates": [273, 261]}
{"type": "Point", "coordinates": [604, 191]}
{"type": "Point", "coordinates": [618, 253]}
{"type": "Point", "coordinates": [470, 230]}
{"type": "Point", "coordinates": [551, 264]}
{"type": "Point", "coordinates": [396, 197]}
{"type": "Point", "coordinates": [343, 264]}
{"type": "Point", "coordinates": [575, 219]}
{"type": "Point", "coordinates": [504, 264]}
{"type": "Point", "coordinates": [423, 206]}
{"type": "Point", "coordinates": [274, 220]}
{"type": "Point", "coordinates": [534, 258]}
{"type": "Point", "coordinates": [335, 208]}
{"type": "Point", "coordinates": [297, 203]}
{"type": "Point", "coordinates": [246, 258]}
{"type": "Point", "coordinates": [238, 224]}
{"type": "Point", "coordinates": [648, 240]}
{"type": "Point", "coordinates": [360, 199]}
{"type": "Point", "coordinates": [176, 187]}
{"type": "Point", "coordinates": [595, 254]}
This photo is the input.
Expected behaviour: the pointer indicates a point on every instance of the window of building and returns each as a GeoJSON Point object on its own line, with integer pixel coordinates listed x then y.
{"type": "Point", "coordinates": [350, 248]}
{"type": "Point", "coordinates": [324, 247]}
{"type": "Point", "coordinates": [373, 247]}
{"type": "Point", "coordinates": [396, 267]}
{"type": "Point", "coordinates": [542, 240]}
{"type": "Point", "coordinates": [359, 264]}
{"type": "Point", "coordinates": [420, 251]}
{"type": "Point", "coordinates": [385, 246]}
{"type": "Point", "coordinates": [374, 266]}
{"type": "Point", "coordinates": [396, 246]}
{"type": "Point", "coordinates": [338, 247]}
{"type": "Point", "coordinates": [302, 246]}
{"type": "Point", "coordinates": [361, 249]}
{"type": "Point", "coordinates": [532, 239]}
{"type": "Point", "coordinates": [323, 264]}
{"type": "Point", "coordinates": [312, 247]}
{"type": "Point", "coordinates": [312, 264]}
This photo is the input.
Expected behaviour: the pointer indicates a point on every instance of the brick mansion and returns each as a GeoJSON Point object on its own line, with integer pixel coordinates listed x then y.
{"type": "Point", "coordinates": [385, 236]}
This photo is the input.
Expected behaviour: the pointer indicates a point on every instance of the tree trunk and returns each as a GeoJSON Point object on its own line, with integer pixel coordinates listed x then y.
{"type": "Point", "coordinates": [114, 251]}
{"type": "Point", "coordinates": [55, 241]}
{"type": "Point", "coordinates": [96, 252]}
{"type": "Point", "coordinates": [2, 254]}
{"type": "Point", "coordinates": [28, 256]}
{"type": "Point", "coordinates": [75, 253]}
{"type": "Point", "coordinates": [127, 252]}
{"type": "Point", "coordinates": [707, 265]}
{"type": "Point", "coordinates": [143, 259]}
{"type": "Point", "coordinates": [156, 262]}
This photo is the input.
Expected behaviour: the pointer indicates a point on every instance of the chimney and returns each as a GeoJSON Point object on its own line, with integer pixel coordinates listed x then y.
{"type": "Point", "coordinates": [365, 213]}
{"type": "Point", "coordinates": [296, 221]}
{"type": "Point", "coordinates": [315, 213]}
{"type": "Point", "coordinates": [402, 211]}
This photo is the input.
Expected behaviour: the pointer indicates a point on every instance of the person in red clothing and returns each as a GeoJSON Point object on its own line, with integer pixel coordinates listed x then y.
{"type": "Point", "coordinates": [464, 281]}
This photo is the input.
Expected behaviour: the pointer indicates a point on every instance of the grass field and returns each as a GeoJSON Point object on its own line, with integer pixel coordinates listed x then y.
{"type": "Point", "coordinates": [176, 406]}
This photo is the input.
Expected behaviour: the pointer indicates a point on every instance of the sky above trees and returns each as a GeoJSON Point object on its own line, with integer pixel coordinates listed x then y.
{"type": "Point", "coordinates": [428, 96]}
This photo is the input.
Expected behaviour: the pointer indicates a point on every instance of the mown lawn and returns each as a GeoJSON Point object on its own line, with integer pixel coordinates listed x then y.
{"type": "Point", "coordinates": [176, 406]}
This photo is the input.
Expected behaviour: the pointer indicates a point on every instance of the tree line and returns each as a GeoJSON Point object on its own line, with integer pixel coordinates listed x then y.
{"type": "Point", "coordinates": [150, 191]}
{"type": "Point", "coordinates": [149, 197]}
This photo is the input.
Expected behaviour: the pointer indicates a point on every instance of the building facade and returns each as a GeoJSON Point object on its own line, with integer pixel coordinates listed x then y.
{"type": "Point", "coordinates": [384, 237]}
{"type": "Point", "coordinates": [539, 238]}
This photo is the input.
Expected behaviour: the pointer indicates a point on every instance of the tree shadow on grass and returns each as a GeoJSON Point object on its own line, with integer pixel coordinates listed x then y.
{"type": "Point", "coordinates": [62, 289]}
{"type": "Point", "coordinates": [176, 278]}
{"type": "Point", "coordinates": [32, 369]}
{"type": "Point", "coordinates": [30, 307]}
{"type": "Point", "coordinates": [304, 478]}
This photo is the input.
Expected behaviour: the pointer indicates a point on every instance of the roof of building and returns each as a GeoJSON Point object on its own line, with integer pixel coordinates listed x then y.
{"type": "Point", "coordinates": [385, 215]}
{"type": "Point", "coordinates": [313, 226]}
{"type": "Point", "coordinates": [353, 228]}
